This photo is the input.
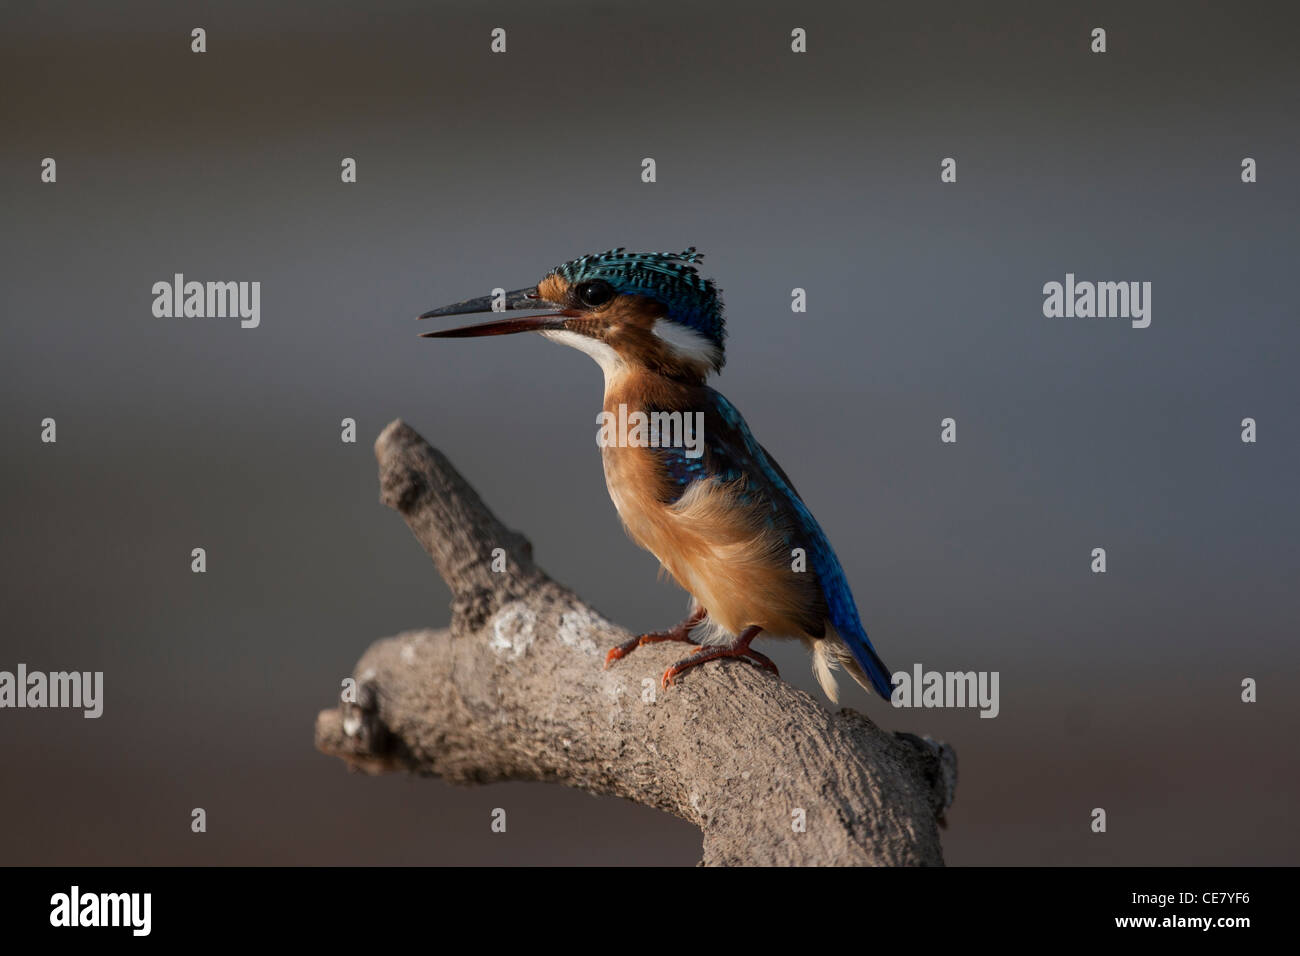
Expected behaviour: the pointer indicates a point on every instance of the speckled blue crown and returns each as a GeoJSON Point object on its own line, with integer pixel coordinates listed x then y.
{"type": "Point", "coordinates": [667, 277]}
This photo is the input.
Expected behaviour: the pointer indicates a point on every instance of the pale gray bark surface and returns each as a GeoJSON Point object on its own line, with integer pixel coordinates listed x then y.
{"type": "Point", "coordinates": [515, 690]}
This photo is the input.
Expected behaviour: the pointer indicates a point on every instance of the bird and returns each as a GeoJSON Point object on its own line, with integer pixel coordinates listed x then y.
{"type": "Point", "coordinates": [722, 517]}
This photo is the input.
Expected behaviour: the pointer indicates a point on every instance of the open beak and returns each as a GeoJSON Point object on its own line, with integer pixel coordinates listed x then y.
{"type": "Point", "coordinates": [553, 316]}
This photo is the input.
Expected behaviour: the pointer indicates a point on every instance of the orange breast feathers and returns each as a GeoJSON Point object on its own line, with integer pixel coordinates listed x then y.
{"type": "Point", "coordinates": [723, 550]}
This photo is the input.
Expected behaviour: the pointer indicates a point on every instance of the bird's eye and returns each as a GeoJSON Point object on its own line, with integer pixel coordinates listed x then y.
{"type": "Point", "coordinates": [594, 293]}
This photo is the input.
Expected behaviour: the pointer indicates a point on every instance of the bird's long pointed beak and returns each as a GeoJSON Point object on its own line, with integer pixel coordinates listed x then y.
{"type": "Point", "coordinates": [552, 317]}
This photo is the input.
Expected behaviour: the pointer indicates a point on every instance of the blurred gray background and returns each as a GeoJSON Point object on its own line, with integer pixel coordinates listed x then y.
{"type": "Point", "coordinates": [820, 171]}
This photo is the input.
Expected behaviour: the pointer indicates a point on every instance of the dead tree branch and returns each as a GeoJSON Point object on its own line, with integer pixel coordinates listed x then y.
{"type": "Point", "coordinates": [514, 690]}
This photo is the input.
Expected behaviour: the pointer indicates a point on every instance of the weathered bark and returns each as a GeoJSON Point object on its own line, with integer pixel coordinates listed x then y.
{"type": "Point", "coordinates": [515, 690]}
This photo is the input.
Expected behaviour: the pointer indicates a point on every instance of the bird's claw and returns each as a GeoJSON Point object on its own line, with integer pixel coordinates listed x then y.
{"type": "Point", "coordinates": [717, 653]}
{"type": "Point", "coordinates": [680, 633]}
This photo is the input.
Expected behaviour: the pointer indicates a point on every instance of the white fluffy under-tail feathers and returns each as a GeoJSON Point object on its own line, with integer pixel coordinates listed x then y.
{"type": "Point", "coordinates": [830, 654]}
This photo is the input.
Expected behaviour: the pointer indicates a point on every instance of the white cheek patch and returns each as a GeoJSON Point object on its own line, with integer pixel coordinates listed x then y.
{"type": "Point", "coordinates": [686, 342]}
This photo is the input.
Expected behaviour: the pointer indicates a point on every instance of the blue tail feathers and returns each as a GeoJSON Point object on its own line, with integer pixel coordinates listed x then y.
{"type": "Point", "coordinates": [870, 661]}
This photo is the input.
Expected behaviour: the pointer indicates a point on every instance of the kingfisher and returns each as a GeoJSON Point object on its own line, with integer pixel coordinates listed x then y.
{"type": "Point", "coordinates": [722, 517]}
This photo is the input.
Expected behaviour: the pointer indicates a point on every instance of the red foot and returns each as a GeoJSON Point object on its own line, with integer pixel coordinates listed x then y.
{"type": "Point", "coordinates": [740, 648]}
{"type": "Point", "coordinates": [682, 632]}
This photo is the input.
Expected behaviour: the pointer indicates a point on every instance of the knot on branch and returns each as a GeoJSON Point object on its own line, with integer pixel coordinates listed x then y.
{"type": "Point", "coordinates": [356, 732]}
{"type": "Point", "coordinates": [938, 763]}
{"type": "Point", "coordinates": [401, 489]}
{"type": "Point", "coordinates": [471, 609]}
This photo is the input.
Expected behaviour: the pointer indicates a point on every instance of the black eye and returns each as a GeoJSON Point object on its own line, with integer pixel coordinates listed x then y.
{"type": "Point", "coordinates": [594, 293]}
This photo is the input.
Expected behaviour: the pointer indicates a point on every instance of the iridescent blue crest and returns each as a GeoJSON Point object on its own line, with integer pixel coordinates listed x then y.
{"type": "Point", "coordinates": [667, 277]}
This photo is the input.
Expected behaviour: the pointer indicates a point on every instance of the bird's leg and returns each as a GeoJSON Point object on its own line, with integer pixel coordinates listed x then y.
{"type": "Point", "coordinates": [739, 648]}
{"type": "Point", "coordinates": [682, 632]}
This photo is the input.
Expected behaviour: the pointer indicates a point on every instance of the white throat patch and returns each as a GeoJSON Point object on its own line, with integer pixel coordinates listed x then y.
{"type": "Point", "coordinates": [610, 362]}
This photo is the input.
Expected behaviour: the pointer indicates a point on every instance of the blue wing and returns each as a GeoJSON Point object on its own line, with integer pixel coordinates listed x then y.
{"type": "Point", "coordinates": [732, 453]}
